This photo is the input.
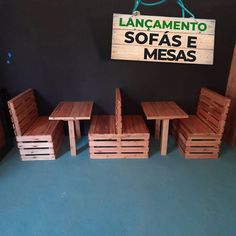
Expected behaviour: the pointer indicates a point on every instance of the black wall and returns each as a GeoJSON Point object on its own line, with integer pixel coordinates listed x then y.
{"type": "Point", "coordinates": [62, 49]}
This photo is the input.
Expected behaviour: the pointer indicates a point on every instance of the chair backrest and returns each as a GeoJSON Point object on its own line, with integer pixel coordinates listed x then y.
{"type": "Point", "coordinates": [212, 109]}
{"type": "Point", "coordinates": [118, 113]}
{"type": "Point", "coordinates": [23, 110]}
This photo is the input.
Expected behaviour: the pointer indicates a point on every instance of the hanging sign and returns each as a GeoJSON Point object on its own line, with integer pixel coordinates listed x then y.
{"type": "Point", "coordinates": [163, 39]}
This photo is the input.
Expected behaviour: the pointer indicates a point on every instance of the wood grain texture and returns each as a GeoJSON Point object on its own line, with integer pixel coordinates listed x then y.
{"type": "Point", "coordinates": [118, 113]}
{"type": "Point", "coordinates": [230, 130]}
{"type": "Point", "coordinates": [123, 50]}
{"type": "Point", "coordinates": [157, 129]}
{"type": "Point", "coordinates": [72, 111]}
{"type": "Point", "coordinates": [163, 110]}
{"type": "Point", "coordinates": [71, 127]}
{"type": "Point", "coordinates": [77, 129]}
{"type": "Point", "coordinates": [200, 135]}
{"type": "Point", "coordinates": [213, 109]}
{"type": "Point", "coordinates": [164, 137]}
{"type": "Point", "coordinates": [118, 136]}
{"type": "Point", "coordinates": [37, 137]}
{"type": "Point", "coordinates": [23, 110]}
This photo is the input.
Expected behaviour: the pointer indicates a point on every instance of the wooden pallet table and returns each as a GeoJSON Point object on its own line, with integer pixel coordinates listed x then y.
{"type": "Point", "coordinates": [73, 113]}
{"type": "Point", "coordinates": [162, 113]}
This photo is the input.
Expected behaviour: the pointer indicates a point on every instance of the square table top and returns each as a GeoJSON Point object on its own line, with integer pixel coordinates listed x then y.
{"type": "Point", "coordinates": [163, 110]}
{"type": "Point", "coordinates": [72, 111]}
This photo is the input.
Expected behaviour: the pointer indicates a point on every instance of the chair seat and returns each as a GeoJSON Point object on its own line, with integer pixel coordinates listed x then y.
{"type": "Point", "coordinates": [134, 124]}
{"type": "Point", "coordinates": [194, 126]}
{"type": "Point", "coordinates": [102, 124]}
{"type": "Point", "coordinates": [42, 126]}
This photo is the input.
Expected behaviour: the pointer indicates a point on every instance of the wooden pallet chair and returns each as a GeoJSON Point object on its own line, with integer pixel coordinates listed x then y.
{"type": "Point", "coordinates": [117, 136]}
{"type": "Point", "coordinates": [200, 135]}
{"type": "Point", "coordinates": [37, 137]}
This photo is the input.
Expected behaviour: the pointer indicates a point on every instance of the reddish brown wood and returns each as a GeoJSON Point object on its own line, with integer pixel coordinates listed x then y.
{"type": "Point", "coordinates": [164, 137]}
{"type": "Point", "coordinates": [230, 130]}
{"type": "Point", "coordinates": [71, 127]}
{"type": "Point", "coordinates": [118, 136]}
{"type": "Point", "coordinates": [200, 135]}
{"type": "Point", "coordinates": [73, 112]}
{"type": "Point", "coordinates": [162, 112]}
{"type": "Point", "coordinates": [37, 137]}
{"type": "Point", "coordinates": [77, 129]}
{"type": "Point", "coordinates": [157, 129]}
{"type": "Point", "coordinates": [213, 109]}
{"type": "Point", "coordinates": [118, 115]}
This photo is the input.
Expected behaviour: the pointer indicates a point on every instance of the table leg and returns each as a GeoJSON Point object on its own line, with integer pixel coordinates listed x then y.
{"type": "Point", "coordinates": [164, 137]}
{"type": "Point", "coordinates": [77, 129]}
{"type": "Point", "coordinates": [157, 129]}
{"type": "Point", "coordinates": [71, 127]}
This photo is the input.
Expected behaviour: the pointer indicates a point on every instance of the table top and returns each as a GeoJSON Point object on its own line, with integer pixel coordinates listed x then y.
{"type": "Point", "coordinates": [72, 111]}
{"type": "Point", "coordinates": [163, 110]}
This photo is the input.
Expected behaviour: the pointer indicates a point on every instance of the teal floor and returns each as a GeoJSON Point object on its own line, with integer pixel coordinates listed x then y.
{"type": "Point", "coordinates": [159, 196]}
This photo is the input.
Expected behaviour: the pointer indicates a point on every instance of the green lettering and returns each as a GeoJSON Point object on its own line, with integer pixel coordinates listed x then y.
{"type": "Point", "coordinates": [157, 24]}
{"type": "Point", "coordinates": [202, 27]}
{"type": "Point", "coordinates": [167, 25]}
{"type": "Point", "coordinates": [146, 24]}
{"type": "Point", "coordinates": [185, 26]}
{"type": "Point", "coordinates": [121, 22]}
{"type": "Point", "coordinates": [177, 25]}
{"type": "Point", "coordinates": [193, 25]}
{"type": "Point", "coordinates": [130, 22]}
{"type": "Point", "coordinates": [139, 22]}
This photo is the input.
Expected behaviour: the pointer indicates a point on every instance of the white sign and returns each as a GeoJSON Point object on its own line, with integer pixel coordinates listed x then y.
{"type": "Point", "coordinates": [163, 39]}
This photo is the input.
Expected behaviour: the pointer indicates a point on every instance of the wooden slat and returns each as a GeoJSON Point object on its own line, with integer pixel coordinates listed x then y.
{"type": "Point", "coordinates": [118, 136]}
{"type": "Point", "coordinates": [120, 150]}
{"type": "Point", "coordinates": [72, 111]}
{"type": "Point", "coordinates": [230, 132]}
{"type": "Point", "coordinates": [34, 145]}
{"type": "Point", "coordinates": [163, 110]}
{"type": "Point", "coordinates": [134, 124]}
{"type": "Point", "coordinates": [33, 138]}
{"type": "Point", "coordinates": [202, 149]}
{"type": "Point", "coordinates": [195, 126]}
{"type": "Point", "coordinates": [42, 126]}
{"type": "Point", "coordinates": [103, 125]}
{"type": "Point", "coordinates": [117, 156]}
{"type": "Point", "coordinates": [36, 151]}
{"type": "Point", "coordinates": [37, 137]}
{"type": "Point", "coordinates": [23, 111]}
{"type": "Point", "coordinates": [71, 128]}
{"type": "Point", "coordinates": [38, 158]}
{"type": "Point", "coordinates": [122, 136]}
{"type": "Point", "coordinates": [207, 155]}
{"type": "Point", "coordinates": [164, 137]}
{"type": "Point", "coordinates": [212, 109]}
{"type": "Point", "coordinates": [118, 114]}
